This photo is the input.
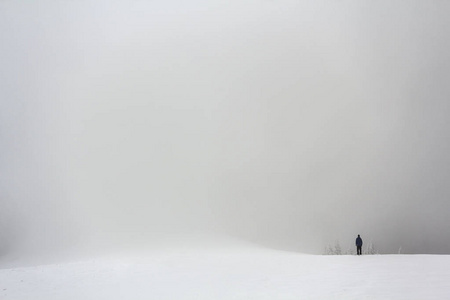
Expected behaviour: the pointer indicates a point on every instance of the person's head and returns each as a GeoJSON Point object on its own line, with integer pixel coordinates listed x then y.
{"type": "Point", "coordinates": [358, 235]}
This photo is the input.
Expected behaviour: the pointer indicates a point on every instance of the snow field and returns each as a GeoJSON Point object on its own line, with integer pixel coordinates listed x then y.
{"type": "Point", "coordinates": [232, 273]}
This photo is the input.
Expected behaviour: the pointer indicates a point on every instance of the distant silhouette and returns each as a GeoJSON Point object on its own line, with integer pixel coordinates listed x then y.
{"type": "Point", "coordinates": [359, 244]}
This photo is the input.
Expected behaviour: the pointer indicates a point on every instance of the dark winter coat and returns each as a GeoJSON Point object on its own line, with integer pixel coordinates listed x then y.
{"type": "Point", "coordinates": [359, 242]}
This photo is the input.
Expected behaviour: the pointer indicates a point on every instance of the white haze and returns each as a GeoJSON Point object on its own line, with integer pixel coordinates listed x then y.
{"type": "Point", "coordinates": [288, 123]}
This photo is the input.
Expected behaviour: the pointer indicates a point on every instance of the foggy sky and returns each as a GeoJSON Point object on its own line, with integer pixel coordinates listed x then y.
{"type": "Point", "coordinates": [289, 123]}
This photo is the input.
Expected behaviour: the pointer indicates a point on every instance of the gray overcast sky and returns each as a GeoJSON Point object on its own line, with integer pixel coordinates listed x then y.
{"type": "Point", "coordinates": [290, 123]}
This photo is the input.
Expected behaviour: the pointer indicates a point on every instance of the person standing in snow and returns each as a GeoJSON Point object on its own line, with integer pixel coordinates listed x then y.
{"type": "Point", "coordinates": [359, 244]}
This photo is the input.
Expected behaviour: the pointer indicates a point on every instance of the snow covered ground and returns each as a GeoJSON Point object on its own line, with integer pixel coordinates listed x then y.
{"type": "Point", "coordinates": [231, 272]}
